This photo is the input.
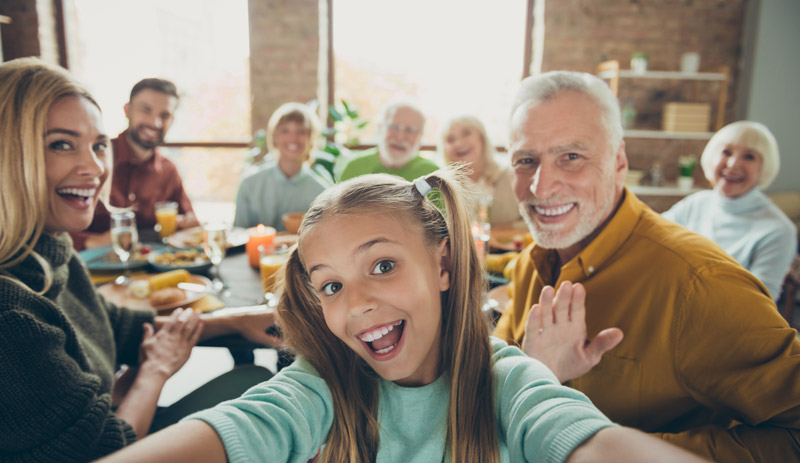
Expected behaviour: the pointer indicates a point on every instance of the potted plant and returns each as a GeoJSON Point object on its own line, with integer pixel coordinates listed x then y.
{"type": "Point", "coordinates": [345, 133]}
{"type": "Point", "coordinates": [686, 166]}
{"type": "Point", "coordinates": [639, 62]}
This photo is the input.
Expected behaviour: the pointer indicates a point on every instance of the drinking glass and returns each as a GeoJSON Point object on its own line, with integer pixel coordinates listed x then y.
{"type": "Point", "coordinates": [272, 259]}
{"type": "Point", "coordinates": [124, 238]}
{"type": "Point", "coordinates": [215, 244]}
{"type": "Point", "coordinates": [166, 218]}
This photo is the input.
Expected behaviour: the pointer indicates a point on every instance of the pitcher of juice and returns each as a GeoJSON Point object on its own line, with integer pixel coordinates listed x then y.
{"type": "Point", "coordinates": [166, 218]}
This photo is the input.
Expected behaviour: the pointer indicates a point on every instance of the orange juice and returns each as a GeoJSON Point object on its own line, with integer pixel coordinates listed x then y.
{"type": "Point", "coordinates": [167, 218]}
{"type": "Point", "coordinates": [270, 264]}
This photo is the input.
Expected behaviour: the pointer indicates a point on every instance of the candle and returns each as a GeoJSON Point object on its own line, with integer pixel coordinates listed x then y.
{"type": "Point", "coordinates": [259, 236]}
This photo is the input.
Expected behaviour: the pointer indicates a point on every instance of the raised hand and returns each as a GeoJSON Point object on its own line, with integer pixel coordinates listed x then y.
{"type": "Point", "coordinates": [555, 333]}
{"type": "Point", "coordinates": [168, 349]}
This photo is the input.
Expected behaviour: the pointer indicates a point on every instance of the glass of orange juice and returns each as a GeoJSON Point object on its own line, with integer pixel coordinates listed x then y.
{"type": "Point", "coordinates": [271, 260]}
{"type": "Point", "coordinates": [166, 218]}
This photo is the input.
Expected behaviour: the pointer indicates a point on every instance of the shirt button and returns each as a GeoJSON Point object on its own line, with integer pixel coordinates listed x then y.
{"type": "Point", "coordinates": [132, 197]}
{"type": "Point", "coordinates": [591, 269]}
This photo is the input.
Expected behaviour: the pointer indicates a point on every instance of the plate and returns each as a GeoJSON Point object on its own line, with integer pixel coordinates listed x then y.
{"type": "Point", "coordinates": [120, 295]}
{"type": "Point", "coordinates": [499, 294]}
{"type": "Point", "coordinates": [287, 239]}
{"type": "Point", "coordinates": [196, 267]}
{"type": "Point", "coordinates": [105, 260]}
{"type": "Point", "coordinates": [193, 237]}
{"type": "Point", "coordinates": [503, 239]}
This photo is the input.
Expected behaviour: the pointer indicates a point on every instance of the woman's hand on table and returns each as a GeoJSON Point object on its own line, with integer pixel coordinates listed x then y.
{"type": "Point", "coordinates": [167, 349]}
{"type": "Point", "coordinates": [555, 333]}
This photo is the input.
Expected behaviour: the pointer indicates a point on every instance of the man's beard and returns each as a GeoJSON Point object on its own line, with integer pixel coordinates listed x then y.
{"type": "Point", "coordinates": [392, 162]}
{"type": "Point", "coordinates": [551, 236]}
{"type": "Point", "coordinates": [134, 133]}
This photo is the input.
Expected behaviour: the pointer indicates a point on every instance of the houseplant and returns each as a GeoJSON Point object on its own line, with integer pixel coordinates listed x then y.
{"type": "Point", "coordinates": [345, 133]}
{"type": "Point", "coordinates": [686, 166]}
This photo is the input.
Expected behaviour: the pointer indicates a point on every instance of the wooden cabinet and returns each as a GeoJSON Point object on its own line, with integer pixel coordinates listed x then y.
{"type": "Point", "coordinates": [610, 70]}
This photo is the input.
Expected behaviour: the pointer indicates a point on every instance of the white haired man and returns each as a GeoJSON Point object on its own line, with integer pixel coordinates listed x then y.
{"type": "Point", "coordinates": [707, 362]}
{"type": "Point", "coordinates": [400, 134]}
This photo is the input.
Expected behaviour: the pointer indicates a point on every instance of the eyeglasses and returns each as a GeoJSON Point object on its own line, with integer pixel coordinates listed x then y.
{"type": "Point", "coordinates": [405, 129]}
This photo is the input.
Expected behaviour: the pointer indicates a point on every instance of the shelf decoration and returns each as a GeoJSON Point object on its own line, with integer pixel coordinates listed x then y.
{"type": "Point", "coordinates": [639, 62]}
{"type": "Point", "coordinates": [686, 166]}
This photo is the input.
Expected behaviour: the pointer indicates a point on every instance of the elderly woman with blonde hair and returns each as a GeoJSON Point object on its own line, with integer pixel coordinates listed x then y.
{"type": "Point", "coordinates": [464, 139]}
{"type": "Point", "coordinates": [740, 160]}
{"type": "Point", "coordinates": [286, 182]}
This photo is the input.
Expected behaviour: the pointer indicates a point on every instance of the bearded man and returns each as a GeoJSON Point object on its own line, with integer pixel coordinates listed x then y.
{"type": "Point", "coordinates": [400, 134]}
{"type": "Point", "coordinates": [706, 362]}
{"type": "Point", "coordinates": [142, 176]}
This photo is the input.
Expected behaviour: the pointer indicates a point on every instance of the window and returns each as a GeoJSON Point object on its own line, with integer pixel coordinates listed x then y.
{"type": "Point", "coordinates": [450, 56]}
{"type": "Point", "coordinates": [202, 46]}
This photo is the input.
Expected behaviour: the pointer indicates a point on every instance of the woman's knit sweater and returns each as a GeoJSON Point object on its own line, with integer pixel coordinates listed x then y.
{"type": "Point", "coordinates": [58, 354]}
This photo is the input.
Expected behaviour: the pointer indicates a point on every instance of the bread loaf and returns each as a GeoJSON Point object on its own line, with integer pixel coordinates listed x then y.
{"type": "Point", "coordinates": [166, 296]}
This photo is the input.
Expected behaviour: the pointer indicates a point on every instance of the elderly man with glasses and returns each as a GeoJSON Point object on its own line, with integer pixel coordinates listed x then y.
{"type": "Point", "coordinates": [400, 133]}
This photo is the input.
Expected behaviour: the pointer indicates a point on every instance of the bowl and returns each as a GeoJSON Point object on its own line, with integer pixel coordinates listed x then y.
{"type": "Point", "coordinates": [291, 221]}
{"type": "Point", "coordinates": [193, 260]}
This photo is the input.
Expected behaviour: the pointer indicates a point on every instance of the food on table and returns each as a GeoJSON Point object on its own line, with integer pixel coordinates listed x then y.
{"type": "Point", "coordinates": [181, 258]}
{"type": "Point", "coordinates": [139, 288]}
{"type": "Point", "coordinates": [518, 240]}
{"type": "Point", "coordinates": [168, 279]}
{"type": "Point", "coordinates": [139, 254]}
{"type": "Point", "coordinates": [167, 296]}
{"type": "Point", "coordinates": [496, 263]}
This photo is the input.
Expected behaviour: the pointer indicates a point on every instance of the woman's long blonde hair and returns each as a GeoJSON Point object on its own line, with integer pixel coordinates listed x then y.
{"type": "Point", "coordinates": [491, 169]}
{"type": "Point", "coordinates": [465, 349]}
{"type": "Point", "coordinates": [28, 88]}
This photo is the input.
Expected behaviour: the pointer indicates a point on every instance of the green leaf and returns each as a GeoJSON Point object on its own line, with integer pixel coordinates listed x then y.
{"type": "Point", "coordinates": [334, 113]}
{"type": "Point", "coordinates": [362, 125]}
{"type": "Point", "coordinates": [332, 148]}
{"type": "Point", "coordinates": [351, 111]}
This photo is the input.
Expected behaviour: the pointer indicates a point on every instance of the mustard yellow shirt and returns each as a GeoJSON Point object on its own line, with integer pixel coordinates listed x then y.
{"type": "Point", "coordinates": [707, 361]}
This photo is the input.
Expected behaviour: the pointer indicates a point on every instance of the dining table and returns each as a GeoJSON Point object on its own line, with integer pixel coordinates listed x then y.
{"type": "Point", "coordinates": [242, 288]}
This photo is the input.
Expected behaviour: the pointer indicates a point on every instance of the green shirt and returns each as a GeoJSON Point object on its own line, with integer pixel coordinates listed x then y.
{"type": "Point", "coordinates": [287, 419]}
{"type": "Point", "coordinates": [370, 163]}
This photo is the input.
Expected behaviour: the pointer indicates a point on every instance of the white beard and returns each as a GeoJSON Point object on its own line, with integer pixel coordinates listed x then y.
{"type": "Point", "coordinates": [391, 162]}
{"type": "Point", "coordinates": [553, 236]}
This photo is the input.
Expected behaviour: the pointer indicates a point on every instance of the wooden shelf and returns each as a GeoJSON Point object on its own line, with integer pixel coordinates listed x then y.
{"type": "Point", "coordinates": [666, 190]}
{"type": "Point", "coordinates": [677, 75]}
{"type": "Point", "coordinates": [660, 134]}
{"type": "Point", "coordinates": [610, 70]}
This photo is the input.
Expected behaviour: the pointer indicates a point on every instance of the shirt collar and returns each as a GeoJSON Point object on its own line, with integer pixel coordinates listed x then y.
{"type": "Point", "coordinates": [750, 201]}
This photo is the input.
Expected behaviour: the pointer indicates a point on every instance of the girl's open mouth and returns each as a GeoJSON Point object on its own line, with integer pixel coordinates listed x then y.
{"type": "Point", "coordinates": [382, 343]}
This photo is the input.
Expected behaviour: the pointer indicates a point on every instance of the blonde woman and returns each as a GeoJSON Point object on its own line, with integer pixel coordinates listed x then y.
{"type": "Point", "coordinates": [60, 341]}
{"type": "Point", "coordinates": [464, 140]}
{"type": "Point", "coordinates": [285, 182]}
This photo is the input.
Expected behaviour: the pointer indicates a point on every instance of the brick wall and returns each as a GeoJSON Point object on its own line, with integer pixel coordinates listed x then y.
{"type": "Point", "coordinates": [579, 34]}
{"type": "Point", "coordinates": [21, 37]}
{"type": "Point", "coordinates": [284, 54]}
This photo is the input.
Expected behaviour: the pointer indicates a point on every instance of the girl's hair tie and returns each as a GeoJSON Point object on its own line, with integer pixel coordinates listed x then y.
{"type": "Point", "coordinates": [422, 186]}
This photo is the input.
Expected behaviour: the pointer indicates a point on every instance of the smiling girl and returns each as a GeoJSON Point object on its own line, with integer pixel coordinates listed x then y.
{"type": "Point", "coordinates": [382, 305]}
